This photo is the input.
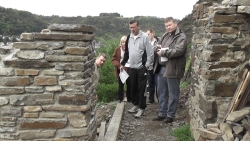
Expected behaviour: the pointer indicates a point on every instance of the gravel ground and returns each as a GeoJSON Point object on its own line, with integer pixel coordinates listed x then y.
{"type": "Point", "coordinates": [144, 129]}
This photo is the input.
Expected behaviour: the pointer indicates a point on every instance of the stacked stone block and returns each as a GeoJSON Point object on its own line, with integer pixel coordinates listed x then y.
{"type": "Point", "coordinates": [46, 86]}
{"type": "Point", "coordinates": [220, 44]}
{"type": "Point", "coordinates": [235, 128]}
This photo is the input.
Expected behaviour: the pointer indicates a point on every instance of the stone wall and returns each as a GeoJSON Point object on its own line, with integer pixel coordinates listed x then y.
{"type": "Point", "coordinates": [221, 49]}
{"type": "Point", "coordinates": [46, 90]}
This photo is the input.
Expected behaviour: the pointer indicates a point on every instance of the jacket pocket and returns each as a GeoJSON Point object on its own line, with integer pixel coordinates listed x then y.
{"type": "Point", "coordinates": [180, 68]}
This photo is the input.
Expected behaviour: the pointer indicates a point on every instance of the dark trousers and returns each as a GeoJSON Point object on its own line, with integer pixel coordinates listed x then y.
{"type": "Point", "coordinates": [121, 90]}
{"type": "Point", "coordinates": [152, 85]}
{"type": "Point", "coordinates": [138, 79]}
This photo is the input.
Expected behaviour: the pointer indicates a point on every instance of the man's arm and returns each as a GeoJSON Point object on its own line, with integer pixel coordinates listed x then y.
{"type": "Point", "coordinates": [178, 50]}
{"type": "Point", "coordinates": [150, 54]}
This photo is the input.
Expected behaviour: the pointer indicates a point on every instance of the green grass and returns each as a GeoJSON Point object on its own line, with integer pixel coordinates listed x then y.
{"type": "Point", "coordinates": [183, 85]}
{"type": "Point", "coordinates": [100, 103]}
{"type": "Point", "coordinates": [183, 133]}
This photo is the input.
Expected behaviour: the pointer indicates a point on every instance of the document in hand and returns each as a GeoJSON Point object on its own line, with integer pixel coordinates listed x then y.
{"type": "Point", "coordinates": [123, 76]}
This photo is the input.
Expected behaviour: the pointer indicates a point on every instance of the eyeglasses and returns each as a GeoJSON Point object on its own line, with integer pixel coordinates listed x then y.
{"type": "Point", "coordinates": [133, 27]}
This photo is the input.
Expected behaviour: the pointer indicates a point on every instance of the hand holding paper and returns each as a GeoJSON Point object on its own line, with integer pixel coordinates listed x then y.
{"type": "Point", "coordinates": [123, 75]}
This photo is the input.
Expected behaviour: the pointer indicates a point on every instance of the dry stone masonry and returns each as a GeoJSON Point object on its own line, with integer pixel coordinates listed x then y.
{"type": "Point", "coordinates": [46, 86]}
{"type": "Point", "coordinates": [236, 128]}
{"type": "Point", "coordinates": [221, 49]}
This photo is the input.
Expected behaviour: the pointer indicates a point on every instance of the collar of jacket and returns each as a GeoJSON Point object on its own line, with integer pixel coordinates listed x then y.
{"type": "Point", "coordinates": [176, 32]}
{"type": "Point", "coordinates": [139, 34]}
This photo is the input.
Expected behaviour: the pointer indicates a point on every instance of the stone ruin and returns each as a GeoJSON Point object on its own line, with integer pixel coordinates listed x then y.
{"type": "Point", "coordinates": [220, 52]}
{"type": "Point", "coordinates": [46, 85]}
{"type": "Point", "coordinates": [46, 81]}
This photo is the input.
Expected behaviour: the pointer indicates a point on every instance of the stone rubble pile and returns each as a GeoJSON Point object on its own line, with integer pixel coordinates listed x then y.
{"type": "Point", "coordinates": [235, 128]}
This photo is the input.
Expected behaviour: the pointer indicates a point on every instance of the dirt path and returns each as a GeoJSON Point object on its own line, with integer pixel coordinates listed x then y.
{"type": "Point", "coordinates": [144, 129]}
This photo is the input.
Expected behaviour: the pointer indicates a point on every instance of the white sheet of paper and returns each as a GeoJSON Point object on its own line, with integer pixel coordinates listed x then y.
{"type": "Point", "coordinates": [163, 59]}
{"type": "Point", "coordinates": [123, 76]}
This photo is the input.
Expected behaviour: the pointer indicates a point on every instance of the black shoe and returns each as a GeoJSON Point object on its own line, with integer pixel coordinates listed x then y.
{"type": "Point", "coordinates": [168, 120]}
{"type": "Point", "coordinates": [150, 102]}
{"type": "Point", "coordinates": [158, 118]}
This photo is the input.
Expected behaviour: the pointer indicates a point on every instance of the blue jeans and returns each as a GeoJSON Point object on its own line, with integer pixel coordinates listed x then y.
{"type": "Point", "coordinates": [168, 94]}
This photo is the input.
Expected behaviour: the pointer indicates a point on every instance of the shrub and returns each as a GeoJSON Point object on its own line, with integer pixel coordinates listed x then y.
{"type": "Point", "coordinates": [183, 133]}
{"type": "Point", "coordinates": [108, 84]}
{"type": "Point", "coordinates": [107, 71]}
{"type": "Point", "coordinates": [107, 92]}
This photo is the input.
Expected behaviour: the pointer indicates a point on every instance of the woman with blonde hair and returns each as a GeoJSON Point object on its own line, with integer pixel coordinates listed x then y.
{"type": "Point", "coordinates": [117, 58]}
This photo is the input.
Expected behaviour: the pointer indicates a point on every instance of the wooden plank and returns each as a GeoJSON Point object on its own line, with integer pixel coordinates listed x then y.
{"type": "Point", "coordinates": [244, 98]}
{"type": "Point", "coordinates": [113, 130]}
{"type": "Point", "coordinates": [102, 131]}
{"type": "Point", "coordinates": [241, 92]}
{"type": "Point", "coordinates": [242, 81]}
{"type": "Point", "coordinates": [244, 75]}
{"type": "Point", "coordinates": [237, 94]}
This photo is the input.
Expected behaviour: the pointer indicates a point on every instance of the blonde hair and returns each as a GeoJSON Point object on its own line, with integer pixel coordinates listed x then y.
{"type": "Point", "coordinates": [102, 54]}
{"type": "Point", "coordinates": [123, 38]}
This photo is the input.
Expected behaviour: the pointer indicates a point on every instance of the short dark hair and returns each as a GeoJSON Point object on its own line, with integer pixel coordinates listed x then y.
{"type": "Point", "coordinates": [134, 21]}
{"type": "Point", "coordinates": [170, 19]}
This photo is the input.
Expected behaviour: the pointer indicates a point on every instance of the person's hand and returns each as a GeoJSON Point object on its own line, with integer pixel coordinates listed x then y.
{"type": "Point", "coordinates": [159, 53]}
{"type": "Point", "coordinates": [158, 47]}
{"type": "Point", "coordinates": [121, 68]}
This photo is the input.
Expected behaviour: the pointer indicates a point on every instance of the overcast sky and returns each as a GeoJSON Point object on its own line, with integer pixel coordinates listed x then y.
{"type": "Point", "coordinates": [127, 8]}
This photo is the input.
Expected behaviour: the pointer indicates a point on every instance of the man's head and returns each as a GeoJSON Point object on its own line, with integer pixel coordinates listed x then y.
{"type": "Point", "coordinates": [100, 59]}
{"type": "Point", "coordinates": [150, 32]}
{"type": "Point", "coordinates": [170, 24]}
{"type": "Point", "coordinates": [134, 26]}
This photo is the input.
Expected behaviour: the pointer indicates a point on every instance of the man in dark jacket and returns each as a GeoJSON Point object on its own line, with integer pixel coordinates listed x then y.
{"type": "Point", "coordinates": [170, 64]}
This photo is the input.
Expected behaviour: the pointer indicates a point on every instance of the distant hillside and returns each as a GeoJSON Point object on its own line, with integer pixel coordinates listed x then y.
{"type": "Point", "coordinates": [14, 22]}
{"type": "Point", "coordinates": [110, 24]}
